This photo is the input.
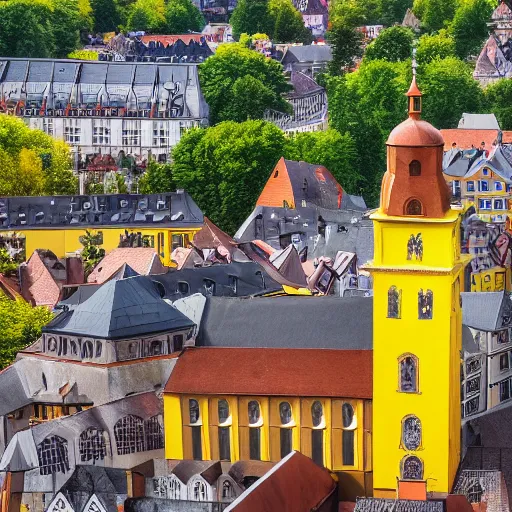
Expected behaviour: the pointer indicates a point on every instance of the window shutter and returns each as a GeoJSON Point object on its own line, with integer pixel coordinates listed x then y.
{"type": "Point", "coordinates": [243, 440]}
{"type": "Point", "coordinates": [275, 443]}
{"type": "Point", "coordinates": [187, 442]}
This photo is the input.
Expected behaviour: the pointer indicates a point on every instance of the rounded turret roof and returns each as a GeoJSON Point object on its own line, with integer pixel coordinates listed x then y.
{"type": "Point", "coordinates": [415, 133]}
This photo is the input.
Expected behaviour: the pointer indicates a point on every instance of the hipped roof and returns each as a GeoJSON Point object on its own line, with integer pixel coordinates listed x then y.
{"type": "Point", "coordinates": [274, 372]}
{"type": "Point", "coordinates": [484, 310]}
{"type": "Point", "coordinates": [120, 309]}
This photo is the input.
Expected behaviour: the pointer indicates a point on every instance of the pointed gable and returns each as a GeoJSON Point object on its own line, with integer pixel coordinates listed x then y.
{"type": "Point", "coordinates": [278, 188]}
{"type": "Point", "coordinates": [120, 309]}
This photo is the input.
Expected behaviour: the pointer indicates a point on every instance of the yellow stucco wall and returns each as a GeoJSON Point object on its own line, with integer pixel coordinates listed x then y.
{"type": "Point", "coordinates": [176, 420]}
{"type": "Point", "coordinates": [435, 342]}
{"type": "Point", "coordinates": [61, 241]}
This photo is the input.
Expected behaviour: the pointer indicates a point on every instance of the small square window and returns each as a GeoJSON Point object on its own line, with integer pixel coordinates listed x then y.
{"type": "Point", "coordinates": [470, 186]}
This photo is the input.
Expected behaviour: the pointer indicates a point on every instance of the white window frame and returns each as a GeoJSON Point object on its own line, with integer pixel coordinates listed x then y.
{"type": "Point", "coordinates": [101, 132]}
{"type": "Point", "coordinates": [72, 130]}
{"type": "Point", "coordinates": [131, 133]}
{"type": "Point", "coordinates": [161, 134]}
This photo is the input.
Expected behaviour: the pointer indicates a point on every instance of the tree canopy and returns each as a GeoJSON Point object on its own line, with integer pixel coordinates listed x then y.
{"type": "Point", "coordinates": [182, 16]}
{"type": "Point", "coordinates": [20, 325]}
{"type": "Point", "coordinates": [498, 99]}
{"type": "Point", "coordinates": [435, 46]}
{"type": "Point", "coordinates": [251, 16]}
{"type": "Point", "coordinates": [392, 44]}
{"type": "Point", "coordinates": [31, 162]}
{"type": "Point", "coordinates": [435, 14]}
{"type": "Point", "coordinates": [148, 15]}
{"type": "Point", "coordinates": [240, 84]}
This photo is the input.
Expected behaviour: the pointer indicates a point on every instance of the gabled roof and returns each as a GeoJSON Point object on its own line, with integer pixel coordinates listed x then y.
{"type": "Point", "coordinates": [485, 310]}
{"type": "Point", "coordinates": [273, 372]}
{"type": "Point", "coordinates": [308, 53]}
{"type": "Point", "coordinates": [140, 260]}
{"type": "Point", "coordinates": [289, 265]}
{"type": "Point", "coordinates": [288, 322]}
{"type": "Point", "coordinates": [478, 122]}
{"type": "Point", "coordinates": [303, 85]}
{"type": "Point", "coordinates": [459, 163]}
{"type": "Point", "coordinates": [295, 484]}
{"type": "Point", "coordinates": [187, 469]}
{"type": "Point", "coordinates": [123, 308]}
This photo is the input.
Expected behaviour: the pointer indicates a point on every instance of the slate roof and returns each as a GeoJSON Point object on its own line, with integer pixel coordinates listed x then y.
{"type": "Point", "coordinates": [303, 85]}
{"type": "Point", "coordinates": [484, 310]}
{"type": "Point", "coordinates": [307, 53]}
{"type": "Point", "coordinates": [387, 505]}
{"type": "Point", "coordinates": [171, 209]}
{"type": "Point", "coordinates": [457, 163]}
{"type": "Point", "coordinates": [288, 322]}
{"type": "Point", "coordinates": [294, 483]}
{"type": "Point", "coordinates": [123, 308]}
{"type": "Point", "coordinates": [251, 279]}
{"type": "Point", "coordinates": [209, 470]}
{"type": "Point", "coordinates": [273, 372]}
{"type": "Point", "coordinates": [141, 260]}
{"type": "Point", "coordinates": [479, 122]}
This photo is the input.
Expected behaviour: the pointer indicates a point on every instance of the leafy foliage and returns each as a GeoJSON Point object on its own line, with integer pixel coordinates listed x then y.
{"type": "Point", "coordinates": [20, 325]}
{"type": "Point", "coordinates": [31, 162]}
{"type": "Point", "coordinates": [8, 265]}
{"type": "Point", "coordinates": [288, 23]}
{"type": "Point", "coordinates": [83, 55]}
{"type": "Point", "coordinates": [393, 44]}
{"type": "Point", "coordinates": [157, 179]}
{"type": "Point", "coordinates": [91, 252]}
{"type": "Point", "coordinates": [498, 98]}
{"type": "Point", "coordinates": [107, 15]}
{"type": "Point", "coordinates": [251, 16]}
{"type": "Point", "coordinates": [182, 16]}
{"type": "Point", "coordinates": [346, 44]}
{"type": "Point", "coordinates": [240, 84]}
{"type": "Point", "coordinates": [434, 14]}
{"type": "Point", "coordinates": [469, 26]}
{"type": "Point", "coordinates": [148, 15]}
{"type": "Point", "coordinates": [435, 46]}
{"type": "Point", "coordinates": [393, 11]}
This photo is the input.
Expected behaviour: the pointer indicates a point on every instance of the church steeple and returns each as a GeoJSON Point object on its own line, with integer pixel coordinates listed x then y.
{"type": "Point", "coordinates": [414, 97]}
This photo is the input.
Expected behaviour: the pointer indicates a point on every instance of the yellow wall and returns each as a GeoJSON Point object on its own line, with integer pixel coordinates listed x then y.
{"type": "Point", "coordinates": [494, 279]}
{"type": "Point", "coordinates": [435, 342]}
{"type": "Point", "coordinates": [176, 422]}
{"type": "Point", "coordinates": [62, 241]}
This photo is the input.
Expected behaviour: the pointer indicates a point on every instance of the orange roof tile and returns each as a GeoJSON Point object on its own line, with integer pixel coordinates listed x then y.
{"type": "Point", "coordinates": [273, 372]}
{"type": "Point", "coordinates": [38, 285]}
{"type": "Point", "coordinates": [278, 188]}
{"type": "Point", "coordinates": [167, 40]}
{"type": "Point", "coordinates": [465, 138]}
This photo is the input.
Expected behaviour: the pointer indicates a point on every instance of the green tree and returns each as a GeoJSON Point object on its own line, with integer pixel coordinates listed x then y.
{"type": "Point", "coordinates": [449, 90]}
{"type": "Point", "coordinates": [83, 55]}
{"type": "Point", "coordinates": [393, 44]}
{"type": "Point", "coordinates": [67, 22]}
{"type": "Point", "coordinates": [469, 26]}
{"type": "Point", "coordinates": [157, 179]}
{"type": "Point", "coordinates": [106, 15]}
{"type": "Point", "coordinates": [435, 14]}
{"type": "Point", "coordinates": [91, 253]}
{"type": "Point", "coordinates": [498, 99]}
{"type": "Point", "coordinates": [31, 162]}
{"type": "Point", "coordinates": [26, 28]}
{"type": "Point", "coordinates": [182, 16]}
{"type": "Point", "coordinates": [435, 46]}
{"type": "Point", "coordinates": [393, 11]}
{"type": "Point", "coordinates": [20, 326]}
{"type": "Point", "coordinates": [336, 151]}
{"type": "Point", "coordinates": [225, 167]}
{"type": "Point", "coordinates": [148, 15]}
{"type": "Point", "coordinates": [346, 43]}
{"type": "Point", "coordinates": [233, 67]}
{"type": "Point", "coordinates": [251, 16]}
{"type": "Point", "coordinates": [288, 23]}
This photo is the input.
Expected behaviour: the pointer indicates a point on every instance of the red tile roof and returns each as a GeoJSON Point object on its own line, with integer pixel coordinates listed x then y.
{"type": "Point", "coordinates": [37, 283]}
{"type": "Point", "coordinates": [465, 138]}
{"type": "Point", "coordinates": [296, 484]}
{"type": "Point", "coordinates": [144, 260]}
{"type": "Point", "coordinates": [276, 372]}
{"type": "Point", "coordinates": [167, 40]}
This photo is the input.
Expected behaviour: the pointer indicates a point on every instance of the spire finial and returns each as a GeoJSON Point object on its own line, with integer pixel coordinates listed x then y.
{"type": "Point", "coordinates": [414, 63]}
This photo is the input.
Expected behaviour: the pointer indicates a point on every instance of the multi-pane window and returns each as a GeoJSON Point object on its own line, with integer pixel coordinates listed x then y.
{"type": "Point", "coordinates": [131, 132]}
{"type": "Point", "coordinates": [52, 454]}
{"type": "Point", "coordinates": [411, 433]}
{"type": "Point", "coordinates": [153, 433]}
{"type": "Point", "coordinates": [505, 387]}
{"type": "Point", "coordinates": [425, 304]}
{"type": "Point", "coordinates": [72, 130]}
{"type": "Point", "coordinates": [48, 126]}
{"type": "Point", "coordinates": [129, 435]}
{"type": "Point", "coordinates": [200, 492]}
{"type": "Point", "coordinates": [101, 132]}
{"type": "Point", "coordinates": [408, 378]}
{"type": "Point", "coordinates": [160, 134]}
{"type": "Point", "coordinates": [394, 296]}
{"type": "Point", "coordinates": [92, 445]}
{"type": "Point", "coordinates": [167, 487]}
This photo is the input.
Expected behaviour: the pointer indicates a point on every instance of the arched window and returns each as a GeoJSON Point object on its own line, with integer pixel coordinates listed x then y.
{"type": "Point", "coordinates": [253, 409]}
{"type": "Point", "coordinates": [52, 344]}
{"type": "Point", "coordinates": [348, 437]}
{"type": "Point", "coordinates": [408, 377]}
{"type": "Point", "coordinates": [193, 410]}
{"type": "Point", "coordinates": [224, 437]}
{"type": "Point", "coordinates": [414, 207]}
{"type": "Point", "coordinates": [415, 168]}
{"type": "Point", "coordinates": [286, 434]}
{"type": "Point", "coordinates": [285, 413]}
{"type": "Point", "coordinates": [200, 493]}
{"type": "Point", "coordinates": [153, 433]}
{"type": "Point", "coordinates": [317, 434]}
{"type": "Point", "coordinates": [228, 493]}
{"type": "Point", "coordinates": [129, 435]}
{"type": "Point", "coordinates": [99, 348]}
{"type": "Point", "coordinates": [87, 350]}
{"type": "Point", "coordinates": [425, 304]}
{"type": "Point", "coordinates": [411, 468]}
{"type": "Point", "coordinates": [411, 433]}
{"type": "Point", "coordinates": [195, 425]}
{"type": "Point", "coordinates": [91, 445]}
{"type": "Point", "coordinates": [52, 454]}
{"type": "Point", "coordinates": [394, 299]}
{"type": "Point", "coordinates": [174, 489]}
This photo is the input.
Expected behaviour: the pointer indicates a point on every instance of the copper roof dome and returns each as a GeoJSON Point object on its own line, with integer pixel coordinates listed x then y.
{"type": "Point", "coordinates": [415, 132]}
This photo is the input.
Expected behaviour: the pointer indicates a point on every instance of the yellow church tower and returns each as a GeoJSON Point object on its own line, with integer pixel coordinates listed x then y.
{"type": "Point", "coordinates": [417, 273]}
